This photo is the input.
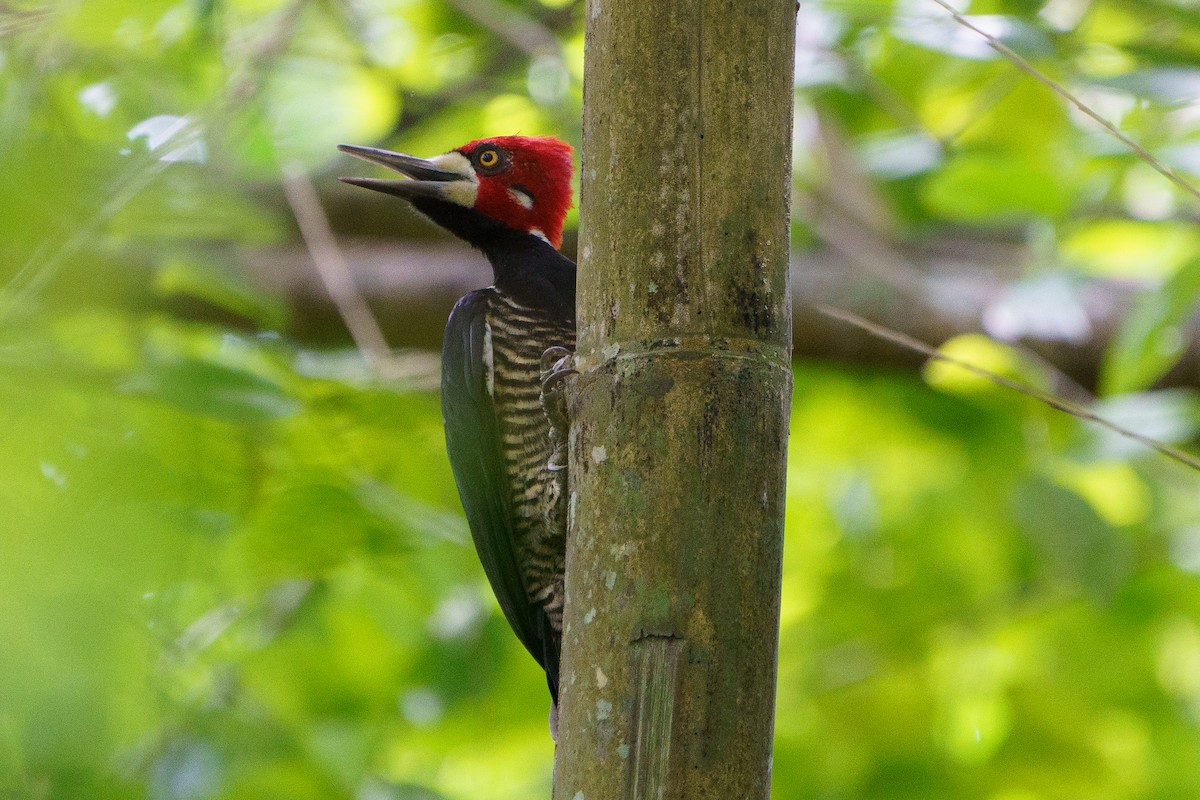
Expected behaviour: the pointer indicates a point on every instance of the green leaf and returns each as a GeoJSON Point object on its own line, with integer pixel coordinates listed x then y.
{"type": "Point", "coordinates": [305, 529]}
{"type": "Point", "coordinates": [1152, 338]}
{"type": "Point", "coordinates": [219, 285]}
{"type": "Point", "coordinates": [1077, 546]}
{"type": "Point", "coordinates": [985, 353]}
{"type": "Point", "coordinates": [182, 205]}
{"type": "Point", "coordinates": [114, 23]}
{"type": "Point", "coordinates": [1131, 248]}
{"type": "Point", "coordinates": [214, 391]}
{"type": "Point", "coordinates": [993, 187]}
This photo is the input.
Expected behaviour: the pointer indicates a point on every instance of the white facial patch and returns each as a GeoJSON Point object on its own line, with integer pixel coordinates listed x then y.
{"type": "Point", "coordinates": [462, 192]}
{"type": "Point", "coordinates": [540, 234]}
{"type": "Point", "coordinates": [521, 198]}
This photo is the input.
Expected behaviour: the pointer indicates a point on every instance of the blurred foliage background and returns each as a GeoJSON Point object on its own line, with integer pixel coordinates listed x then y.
{"type": "Point", "coordinates": [232, 560]}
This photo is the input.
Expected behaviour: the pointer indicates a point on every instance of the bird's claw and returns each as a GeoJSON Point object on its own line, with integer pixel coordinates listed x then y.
{"type": "Point", "coordinates": [553, 354]}
{"type": "Point", "coordinates": [556, 367]}
{"type": "Point", "coordinates": [553, 381]}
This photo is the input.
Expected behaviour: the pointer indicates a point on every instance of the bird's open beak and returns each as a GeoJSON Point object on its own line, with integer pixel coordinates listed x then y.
{"type": "Point", "coordinates": [423, 178]}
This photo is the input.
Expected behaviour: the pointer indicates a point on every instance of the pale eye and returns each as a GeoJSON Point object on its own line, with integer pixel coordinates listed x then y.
{"type": "Point", "coordinates": [490, 159]}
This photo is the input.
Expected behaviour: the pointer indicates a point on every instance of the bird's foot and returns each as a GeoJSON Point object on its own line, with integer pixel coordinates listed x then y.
{"type": "Point", "coordinates": [557, 366]}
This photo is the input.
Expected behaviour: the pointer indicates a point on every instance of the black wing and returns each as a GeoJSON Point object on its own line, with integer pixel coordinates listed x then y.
{"type": "Point", "coordinates": [473, 442]}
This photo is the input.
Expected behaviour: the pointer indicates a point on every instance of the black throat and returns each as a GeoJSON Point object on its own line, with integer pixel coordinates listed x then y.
{"type": "Point", "coordinates": [525, 267]}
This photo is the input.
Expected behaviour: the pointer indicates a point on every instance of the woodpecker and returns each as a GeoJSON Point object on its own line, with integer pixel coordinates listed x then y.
{"type": "Point", "coordinates": [504, 355]}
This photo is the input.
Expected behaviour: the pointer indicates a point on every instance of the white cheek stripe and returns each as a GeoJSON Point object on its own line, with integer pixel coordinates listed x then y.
{"type": "Point", "coordinates": [461, 192]}
{"type": "Point", "coordinates": [455, 162]}
{"type": "Point", "coordinates": [521, 198]}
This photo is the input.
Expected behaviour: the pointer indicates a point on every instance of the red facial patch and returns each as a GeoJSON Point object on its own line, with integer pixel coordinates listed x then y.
{"type": "Point", "coordinates": [538, 167]}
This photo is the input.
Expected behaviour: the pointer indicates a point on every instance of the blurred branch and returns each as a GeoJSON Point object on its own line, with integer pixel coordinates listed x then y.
{"type": "Point", "coordinates": [850, 216]}
{"type": "Point", "coordinates": [1023, 65]}
{"type": "Point", "coordinates": [1059, 403]}
{"type": "Point", "coordinates": [13, 19]}
{"type": "Point", "coordinates": [412, 285]}
{"type": "Point", "coordinates": [335, 274]}
{"type": "Point", "coordinates": [848, 213]}
{"type": "Point", "coordinates": [846, 233]}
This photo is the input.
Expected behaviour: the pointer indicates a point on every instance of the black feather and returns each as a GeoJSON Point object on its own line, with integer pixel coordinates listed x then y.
{"type": "Point", "coordinates": [531, 272]}
{"type": "Point", "coordinates": [473, 444]}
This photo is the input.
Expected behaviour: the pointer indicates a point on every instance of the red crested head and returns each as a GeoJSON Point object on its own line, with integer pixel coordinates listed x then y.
{"type": "Point", "coordinates": [524, 181]}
